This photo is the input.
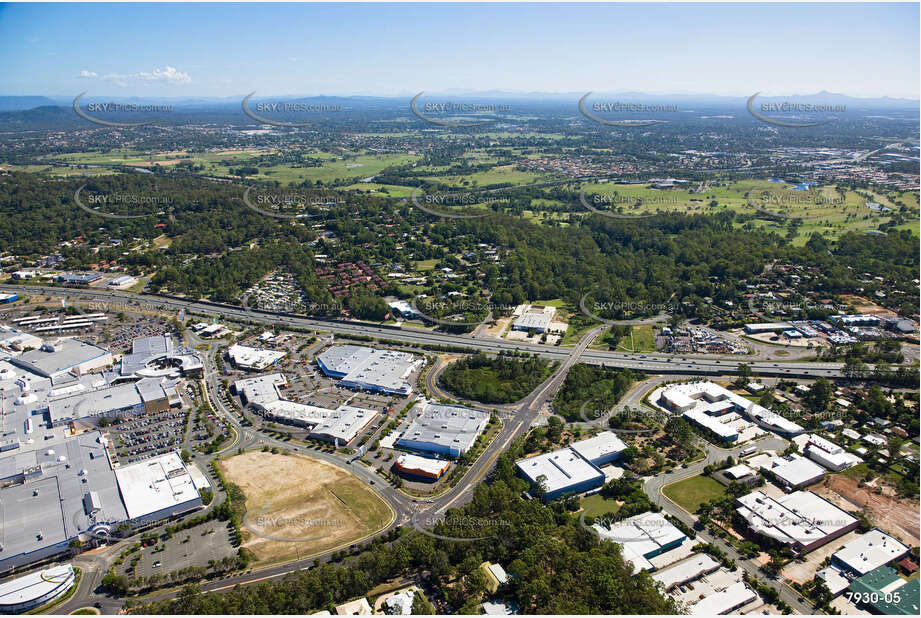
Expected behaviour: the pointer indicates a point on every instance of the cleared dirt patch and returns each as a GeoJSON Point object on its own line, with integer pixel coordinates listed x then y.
{"type": "Point", "coordinates": [299, 506]}
{"type": "Point", "coordinates": [892, 515]}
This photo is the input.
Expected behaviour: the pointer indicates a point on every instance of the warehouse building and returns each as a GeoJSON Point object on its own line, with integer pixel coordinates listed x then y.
{"type": "Point", "coordinates": [534, 317]}
{"type": "Point", "coordinates": [767, 327]}
{"type": "Point", "coordinates": [56, 358]}
{"type": "Point", "coordinates": [829, 454]}
{"type": "Point", "coordinates": [418, 468]}
{"type": "Point", "coordinates": [686, 571]}
{"type": "Point", "coordinates": [723, 601]}
{"type": "Point", "coordinates": [794, 471]}
{"type": "Point", "coordinates": [18, 596]}
{"type": "Point", "coordinates": [600, 450]}
{"type": "Point", "coordinates": [441, 429]}
{"type": "Point", "coordinates": [560, 472]}
{"type": "Point", "coordinates": [370, 369]}
{"type": "Point", "coordinates": [157, 488]}
{"type": "Point", "coordinates": [868, 552]}
{"type": "Point", "coordinates": [643, 537]}
{"type": "Point", "coordinates": [801, 520]}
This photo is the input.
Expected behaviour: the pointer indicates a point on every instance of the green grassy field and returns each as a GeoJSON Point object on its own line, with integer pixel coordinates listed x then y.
{"type": "Point", "coordinates": [822, 209]}
{"type": "Point", "coordinates": [690, 493]}
{"type": "Point", "coordinates": [596, 505]}
{"type": "Point", "coordinates": [503, 174]}
{"type": "Point", "coordinates": [642, 339]}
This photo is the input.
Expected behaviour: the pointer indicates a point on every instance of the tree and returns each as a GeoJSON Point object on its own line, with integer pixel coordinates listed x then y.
{"type": "Point", "coordinates": [819, 395]}
{"type": "Point", "coordinates": [680, 432]}
{"type": "Point", "coordinates": [745, 374]}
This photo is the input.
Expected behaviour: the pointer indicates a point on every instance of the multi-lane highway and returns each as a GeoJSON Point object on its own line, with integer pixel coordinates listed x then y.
{"type": "Point", "coordinates": [522, 414]}
{"type": "Point", "coordinates": [650, 363]}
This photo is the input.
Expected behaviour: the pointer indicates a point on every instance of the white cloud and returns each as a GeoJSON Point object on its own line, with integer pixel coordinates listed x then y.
{"type": "Point", "coordinates": [169, 75]}
{"type": "Point", "coordinates": [87, 74]}
{"type": "Point", "coordinates": [292, 59]}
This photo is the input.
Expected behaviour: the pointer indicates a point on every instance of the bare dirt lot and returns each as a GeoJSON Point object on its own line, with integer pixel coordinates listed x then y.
{"type": "Point", "coordinates": [897, 517]}
{"type": "Point", "coordinates": [299, 506]}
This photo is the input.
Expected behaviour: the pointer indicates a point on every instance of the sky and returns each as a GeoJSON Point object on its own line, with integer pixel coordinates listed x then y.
{"type": "Point", "coordinates": [179, 50]}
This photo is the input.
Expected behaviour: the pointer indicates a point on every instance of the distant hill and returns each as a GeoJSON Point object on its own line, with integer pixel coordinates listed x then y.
{"type": "Point", "coordinates": [15, 104]}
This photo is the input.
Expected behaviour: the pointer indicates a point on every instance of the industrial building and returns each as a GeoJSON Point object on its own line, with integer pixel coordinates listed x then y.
{"type": "Point", "coordinates": [686, 571]}
{"type": "Point", "coordinates": [157, 488]}
{"type": "Point", "coordinates": [56, 358]}
{"type": "Point", "coordinates": [124, 281]}
{"type": "Point", "coordinates": [256, 359]}
{"type": "Point", "coordinates": [78, 278]}
{"type": "Point", "coordinates": [381, 371]}
{"type": "Point", "coordinates": [404, 310]}
{"type": "Point", "coordinates": [441, 429]}
{"type": "Point", "coordinates": [18, 596]}
{"type": "Point", "coordinates": [418, 468]}
{"type": "Point", "coordinates": [560, 472]}
{"type": "Point", "coordinates": [829, 454]}
{"type": "Point", "coordinates": [642, 537]}
{"type": "Point", "coordinates": [868, 552]}
{"type": "Point", "coordinates": [792, 471]}
{"type": "Point", "coordinates": [534, 317]}
{"type": "Point", "coordinates": [602, 449]}
{"type": "Point", "coordinates": [717, 409]}
{"type": "Point", "coordinates": [723, 601]}
{"type": "Point", "coordinates": [767, 327]}
{"type": "Point", "coordinates": [801, 520]}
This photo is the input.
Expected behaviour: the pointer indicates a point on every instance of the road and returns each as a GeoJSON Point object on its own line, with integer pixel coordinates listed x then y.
{"type": "Point", "coordinates": [653, 488]}
{"type": "Point", "coordinates": [651, 363]}
{"type": "Point", "coordinates": [524, 413]}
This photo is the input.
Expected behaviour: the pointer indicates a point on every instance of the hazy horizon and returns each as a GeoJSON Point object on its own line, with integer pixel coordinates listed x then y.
{"type": "Point", "coordinates": [394, 50]}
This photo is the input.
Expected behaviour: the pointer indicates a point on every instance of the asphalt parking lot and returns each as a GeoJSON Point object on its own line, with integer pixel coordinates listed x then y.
{"type": "Point", "coordinates": [148, 434]}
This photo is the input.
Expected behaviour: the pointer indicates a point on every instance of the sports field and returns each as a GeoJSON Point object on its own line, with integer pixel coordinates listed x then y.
{"type": "Point", "coordinates": [299, 506]}
{"type": "Point", "coordinates": [690, 493]}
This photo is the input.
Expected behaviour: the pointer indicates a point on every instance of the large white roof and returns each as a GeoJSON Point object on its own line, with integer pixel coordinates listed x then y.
{"type": "Point", "coordinates": [801, 517]}
{"type": "Point", "coordinates": [723, 601]}
{"type": "Point", "coordinates": [599, 446]}
{"type": "Point", "coordinates": [686, 570]}
{"type": "Point", "coordinates": [561, 469]}
{"type": "Point", "coordinates": [641, 536]}
{"type": "Point", "coordinates": [36, 585]}
{"type": "Point", "coordinates": [154, 484]}
{"type": "Point", "coordinates": [256, 358]}
{"type": "Point", "coordinates": [870, 551]}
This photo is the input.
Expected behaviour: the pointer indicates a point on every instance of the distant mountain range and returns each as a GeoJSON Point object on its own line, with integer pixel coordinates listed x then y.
{"type": "Point", "coordinates": [22, 103]}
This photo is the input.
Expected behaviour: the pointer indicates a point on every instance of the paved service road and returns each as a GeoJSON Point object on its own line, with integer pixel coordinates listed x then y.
{"type": "Point", "coordinates": [653, 488]}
